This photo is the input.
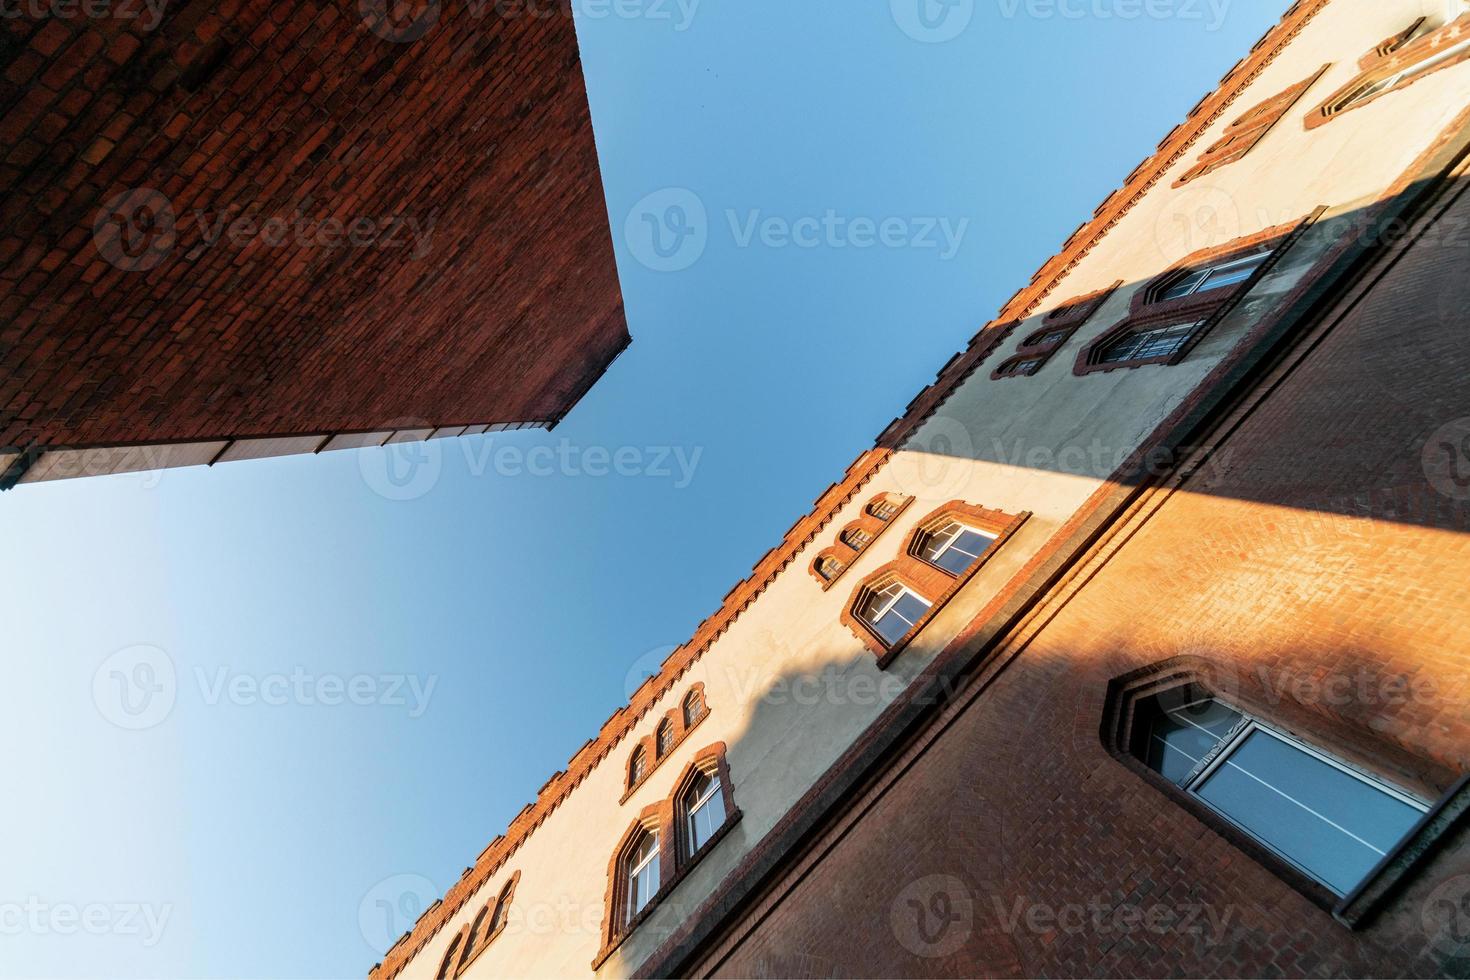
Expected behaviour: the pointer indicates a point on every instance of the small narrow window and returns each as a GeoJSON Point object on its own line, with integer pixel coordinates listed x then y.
{"type": "Point", "coordinates": [1326, 819]}
{"type": "Point", "coordinates": [1050, 338]}
{"type": "Point", "coordinates": [693, 708]}
{"type": "Point", "coordinates": [637, 767]}
{"type": "Point", "coordinates": [954, 547]}
{"type": "Point", "coordinates": [857, 538]}
{"type": "Point", "coordinates": [1366, 92]}
{"type": "Point", "coordinates": [893, 611]}
{"type": "Point", "coordinates": [502, 906]}
{"type": "Point", "coordinates": [451, 958]}
{"type": "Point", "coordinates": [885, 508]}
{"type": "Point", "coordinates": [665, 740]}
{"type": "Point", "coordinates": [829, 568]}
{"type": "Point", "coordinates": [480, 931]}
{"type": "Point", "coordinates": [1214, 276]}
{"type": "Point", "coordinates": [704, 809]}
{"type": "Point", "coordinates": [1149, 343]}
{"type": "Point", "coordinates": [642, 872]}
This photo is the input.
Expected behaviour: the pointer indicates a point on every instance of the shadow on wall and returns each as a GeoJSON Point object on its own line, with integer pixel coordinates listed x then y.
{"type": "Point", "coordinates": [1380, 412]}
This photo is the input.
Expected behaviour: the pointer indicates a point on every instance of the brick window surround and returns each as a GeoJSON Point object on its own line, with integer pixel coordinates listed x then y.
{"type": "Point", "coordinates": [1193, 677]}
{"type": "Point", "coordinates": [1242, 135]}
{"type": "Point", "coordinates": [648, 744]}
{"type": "Point", "coordinates": [1057, 328]}
{"type": "Point", "coordinates": [1147, 310]}
{"type": "Point", "coordinates": [936, 585]}
{"type": "Point", "coordinates": [674, 858]}
{"type": "Point", "coordinates": [476, 936]}
{"type": "Point", "coordinates": [1389, 59]}
{"type": "Point", "coordinates": [870, 524]}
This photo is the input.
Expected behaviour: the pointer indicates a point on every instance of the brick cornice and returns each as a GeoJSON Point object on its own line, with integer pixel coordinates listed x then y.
{"type": "Point", "coordinates": [862, 470]}
{"type": "Point", "coordinates": [1117, 204]}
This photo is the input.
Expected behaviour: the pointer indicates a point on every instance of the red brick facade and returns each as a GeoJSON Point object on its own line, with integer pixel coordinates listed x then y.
{"type": "Point", "coordinates": [255, 218]}
{"type": "Point", "coordinates": [1308, 561]}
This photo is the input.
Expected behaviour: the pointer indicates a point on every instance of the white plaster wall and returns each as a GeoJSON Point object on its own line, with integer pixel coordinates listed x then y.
{"type": "Point", "coordinates": [1041, 444]}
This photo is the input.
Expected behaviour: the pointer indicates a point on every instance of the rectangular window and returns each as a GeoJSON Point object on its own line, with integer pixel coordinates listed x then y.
{"type": "Point", "coordinates": [1329, 821]}
{"type": "Point", "coordinates": [1145, 344]}
{"type": "Point", "coordinates": [894, 611]}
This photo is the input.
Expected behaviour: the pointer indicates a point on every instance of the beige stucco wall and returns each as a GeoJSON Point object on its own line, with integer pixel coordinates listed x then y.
{"type": "Point", "coordinates": [1040, 444]}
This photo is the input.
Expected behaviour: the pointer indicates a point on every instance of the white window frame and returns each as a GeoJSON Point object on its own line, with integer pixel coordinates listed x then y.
{"type": "Point", "coordinates": [636, 871]}
{"type": "Point", "coordinates": [715, 788]}
{"type": "Point", "coordinates": [960, 527]}
{"type": "Point", "coordinates": [1232, 741]}
{"type": "Point", "coordinates": [1390, 82]}
{"type": "Point", "coordinates": [888, 607]}
{"type": "Point", "coordinates": [1203, 274]}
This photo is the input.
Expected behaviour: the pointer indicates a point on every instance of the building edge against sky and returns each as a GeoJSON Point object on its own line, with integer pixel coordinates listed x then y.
{"type": "Point", "coordinates": [237, 231]}
{"type": "Point", "coordinates": [1200, 468]}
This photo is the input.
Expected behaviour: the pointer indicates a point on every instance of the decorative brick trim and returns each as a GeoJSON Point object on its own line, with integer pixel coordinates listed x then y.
{"type": "Point", "coordinates": [1112, 210]}
{"type": "Point", "coordinates": [1196, 677]}
{"type": "Point", "coordinates": [1378, 65]}
{"type": "Point", "coordinates": [1389, 45]}
{"type": "Point", "coordinates": [1246, 132]}
{"type": "Point", "coordinates": [936, 585]}
{"type": "Point", "coordinates": [674, 861]}
{"type": "Point", "coordinates": [844, 552]}
{"type": "Point", "coordinates": [496, 910]}
{"type": "Point", "coordinates": [1058, 328]}
{"type": "Point", "coordinates": [1148, 311]}
{"type": "Point", "coordinates": [954, 373]}
{"type": "Point", "coordinates": [648, 744]}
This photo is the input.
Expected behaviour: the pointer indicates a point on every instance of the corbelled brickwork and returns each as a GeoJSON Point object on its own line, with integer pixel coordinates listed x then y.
{"type": "Point", "coordinates": [1315, 566]}
{"type": "Point", "coordinates": [237, 217]}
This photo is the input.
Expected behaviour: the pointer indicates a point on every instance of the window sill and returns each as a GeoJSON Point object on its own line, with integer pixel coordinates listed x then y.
{"type": "Point", "coordinates": [685, 867]}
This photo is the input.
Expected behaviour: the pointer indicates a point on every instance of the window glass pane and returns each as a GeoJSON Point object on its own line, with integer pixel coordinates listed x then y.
{"type": "Point", "coordinates": [1330, 823]}
{"type": "Point", "coordinates": [1185, 286]}
{"type": "Point", "coordinates": [707, 816]}
{"type": "Point", "coordinates": [1180, 739]}
{"type": "Point", "coordinates": [911, 607]}
{"type": "Point", "coordinates": [892, 627]}
{"type": "Point", "coordinates": [1230, 275]}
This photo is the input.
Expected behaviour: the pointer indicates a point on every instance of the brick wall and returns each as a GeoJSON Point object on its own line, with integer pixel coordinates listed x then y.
{"type": "Point", "coordinates": [247, 218]}
{"type": "Point", "coordinates": [1329, 542]}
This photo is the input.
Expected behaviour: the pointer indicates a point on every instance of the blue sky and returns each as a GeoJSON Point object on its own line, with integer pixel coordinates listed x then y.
{"type": "Point", "coordinates": [366, 687]}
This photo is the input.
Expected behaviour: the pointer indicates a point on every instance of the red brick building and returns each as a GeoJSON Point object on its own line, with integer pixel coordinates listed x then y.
{"type": "Point", "coordinates": [234, 228]}
{"type": "Point", "coordinates": [1137, 646]}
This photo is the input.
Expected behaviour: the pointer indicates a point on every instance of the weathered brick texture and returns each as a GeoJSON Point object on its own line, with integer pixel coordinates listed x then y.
{"type": "Point", "coordinates": [1330, 542]}
{"type": "Point", "coordinates": [485, 290]}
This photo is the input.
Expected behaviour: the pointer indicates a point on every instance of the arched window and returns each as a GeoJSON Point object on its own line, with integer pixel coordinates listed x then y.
{"type": "Point", "coordinates": [892, 611]}
{"type": "Point", "coordinates": [857, 538]}
{"type": "Point", "coordinates": [885, 508]}
{"type": "Point", "coordinates": [693, 708]}
{"type": "Point", "coordinates": [829, 568]}
{"type": "Point", "coordinates": [1148, 343]}
{"type": "Point", "coordinates": [502, 907]}
{"type": "Point", "coordinates": [637, 767]}
{"type": "Point", "coordinates": [703, 809]}
{"type": "Point", "coordinates": [665, 739]}
{"type": "Point", "coordinates": [953, 546]}
{"type": "Point", "coordinates": [1323, 817]}
{"type": "Point", "coordinates": [641, 872]}
{"type": "Point", "coordinates": [480, 932]}
{"type": "Point", "coordinates": [451, 958]}
{"type": "Point", "coordinates": [1202, 279]}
